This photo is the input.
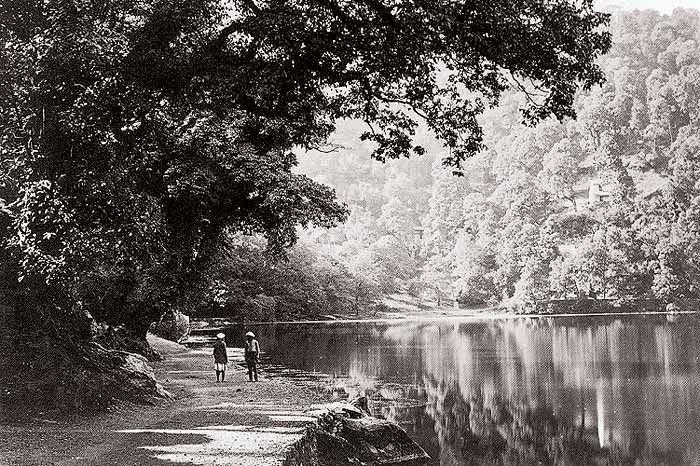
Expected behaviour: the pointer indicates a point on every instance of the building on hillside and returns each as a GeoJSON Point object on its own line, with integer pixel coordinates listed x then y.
{"type": "Point", "coordinates": [588, 193]}
{"type": "Point", "coordinates": [597, 192]}
{"type": "Point", "coordinates": [580, 194]}
{"type": "Point", "coordinates": [591, 192]}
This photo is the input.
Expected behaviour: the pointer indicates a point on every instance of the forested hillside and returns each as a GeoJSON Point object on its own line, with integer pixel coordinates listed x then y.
{"type": "Point", "coordinates": [605, 206]}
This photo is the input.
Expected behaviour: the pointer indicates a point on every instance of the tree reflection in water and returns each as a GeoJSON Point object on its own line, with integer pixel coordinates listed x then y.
{"type": "Point", "coordinates": [587, 391]}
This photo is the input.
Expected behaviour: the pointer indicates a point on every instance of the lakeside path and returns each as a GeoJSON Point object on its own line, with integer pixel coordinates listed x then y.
{"type": "Point", "coordinates": [208, 423]}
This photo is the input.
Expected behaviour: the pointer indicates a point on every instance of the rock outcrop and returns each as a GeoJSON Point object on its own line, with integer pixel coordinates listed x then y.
{"type": "Point", "coordinates": [136, 379]}
{"type": "Point", "coordinates": [173, 326]}
{"type": "Point", "coordinates": [47, 368]}
{"type": "Point", "coordinates": [345, 435]}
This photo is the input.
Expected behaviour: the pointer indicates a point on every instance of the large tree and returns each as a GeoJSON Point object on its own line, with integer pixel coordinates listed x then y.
{"type": "Point", "coordinates": [134, 133]}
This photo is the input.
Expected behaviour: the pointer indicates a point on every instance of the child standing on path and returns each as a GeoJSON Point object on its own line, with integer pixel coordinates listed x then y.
{"type": "Point", "coordinates": [252, 350]}
{"type": "Point", "coordinates": [220, 357]}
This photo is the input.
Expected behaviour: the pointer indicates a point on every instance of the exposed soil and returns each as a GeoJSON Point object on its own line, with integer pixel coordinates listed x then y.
{"type": "Point", "coordinates": [209, 423]}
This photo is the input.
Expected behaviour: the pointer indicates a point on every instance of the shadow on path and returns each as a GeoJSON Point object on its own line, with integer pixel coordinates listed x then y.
{"type": "Point", "coordinates": [232, 423]}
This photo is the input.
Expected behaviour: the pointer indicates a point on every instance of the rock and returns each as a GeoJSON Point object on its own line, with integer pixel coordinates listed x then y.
{"type": "Point", "coordinates": [173, 326]}
{"type": "Point", "coordinates": [129, 374]}
{"type": "Point", "coordinates": [121, 338]}
{"type": "Point", "coordinates": [336, 410]}
{"type": "Point", "coordinates": [362, 403]}
{"type": "Point", "coordinates": [382, 442]}
{"type": "Point", "coordinates": [345, 435]}
{"type": "Point", "coordinates": [76, 377]}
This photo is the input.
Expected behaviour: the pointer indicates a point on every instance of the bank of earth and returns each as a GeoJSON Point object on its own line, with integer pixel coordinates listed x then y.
{"type": "Point", "coordinates": [232, 423]}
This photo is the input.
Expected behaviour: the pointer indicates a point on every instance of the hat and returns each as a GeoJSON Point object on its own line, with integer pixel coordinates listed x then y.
{"type": "Point", "coordinates": [220, 336]}
{"type": "Point", "coordinates": [250, 334]}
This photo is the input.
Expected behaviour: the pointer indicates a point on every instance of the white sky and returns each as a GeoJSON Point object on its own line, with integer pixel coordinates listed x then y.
{"type": "Point", "coordinates": [664, 6]}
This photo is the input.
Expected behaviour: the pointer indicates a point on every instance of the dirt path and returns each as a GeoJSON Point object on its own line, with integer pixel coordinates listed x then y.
{"type": "Point", "coordinates": [232, 423]}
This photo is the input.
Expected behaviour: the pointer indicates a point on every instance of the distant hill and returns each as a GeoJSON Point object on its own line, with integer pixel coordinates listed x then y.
{"type": "Point", "coordinates": [627, 165]}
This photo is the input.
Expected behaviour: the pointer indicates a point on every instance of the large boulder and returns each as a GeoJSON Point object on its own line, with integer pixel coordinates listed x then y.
{"type": "Point", "coordinates": [346, 436]}
{"type": "Point", "coordinates": [173, 326]}
{"type": "Point", "coordinates": [68, 363]}
{"type": "Point", "coordinates": [135, 379]}
{"type": "Point", "coordinates": [74, 377]}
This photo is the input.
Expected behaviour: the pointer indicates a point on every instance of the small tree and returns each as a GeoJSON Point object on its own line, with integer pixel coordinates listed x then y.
{"type": "Point", "coordinates": [560, 170]}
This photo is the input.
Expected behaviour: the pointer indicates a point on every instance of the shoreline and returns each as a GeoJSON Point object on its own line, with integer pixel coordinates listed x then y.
{"type": "Point", "coordinates": [455, 317]}
{"type": "Point", "coordinates": [231, 423]}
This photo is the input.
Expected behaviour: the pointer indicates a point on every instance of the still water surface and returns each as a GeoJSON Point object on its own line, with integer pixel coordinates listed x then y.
{"type": "Point", "coordinates": [558, 391]}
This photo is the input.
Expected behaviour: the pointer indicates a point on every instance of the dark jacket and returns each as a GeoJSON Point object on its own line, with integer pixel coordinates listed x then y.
{"type": "Point", "coordinates": [220, 355]}
{"type": "Point", "coordinates": [252, 349]}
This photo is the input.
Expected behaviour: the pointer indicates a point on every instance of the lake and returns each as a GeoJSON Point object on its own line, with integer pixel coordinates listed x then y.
{"type": "Point", "coordinates": [552, 391]}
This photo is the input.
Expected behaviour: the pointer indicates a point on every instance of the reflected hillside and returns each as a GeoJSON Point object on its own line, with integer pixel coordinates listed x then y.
{"type": "Point", "coordinates": [555, 392]}
{"type": "Point", "coordinates": [596, 390]}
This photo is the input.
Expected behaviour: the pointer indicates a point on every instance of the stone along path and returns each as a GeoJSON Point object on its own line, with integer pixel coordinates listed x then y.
{"type": "Point", "coordinates": [232, 423]}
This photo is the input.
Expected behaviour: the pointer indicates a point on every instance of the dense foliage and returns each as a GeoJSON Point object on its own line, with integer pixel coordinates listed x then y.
{"type": "Point", "coordinates": [604, 206]}
{"type": "Point", "coordinates": [246, 284]}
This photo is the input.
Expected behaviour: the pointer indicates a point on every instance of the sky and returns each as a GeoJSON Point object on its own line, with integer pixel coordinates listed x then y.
{"type": "Point", "coordinates": [664, 6]}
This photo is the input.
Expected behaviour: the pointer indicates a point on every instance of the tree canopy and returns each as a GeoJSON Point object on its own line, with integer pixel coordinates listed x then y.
{"type": "Point", "coordinates": [297, 66]}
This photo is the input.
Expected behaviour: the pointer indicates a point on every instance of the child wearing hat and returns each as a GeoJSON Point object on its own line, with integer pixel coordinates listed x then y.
{"type": "Point", "coordinates": [220, 357]}
{"type": "Point", "coordinates": [252, 350]}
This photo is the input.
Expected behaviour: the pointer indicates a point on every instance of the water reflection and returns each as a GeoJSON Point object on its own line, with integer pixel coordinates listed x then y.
{"type": "Point", "coordinates": [517, 392]}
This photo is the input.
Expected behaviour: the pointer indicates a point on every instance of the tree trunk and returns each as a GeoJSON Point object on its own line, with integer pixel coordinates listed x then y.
{"type": "Point", "coordinates": [136, 326]}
